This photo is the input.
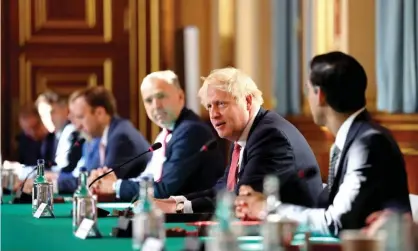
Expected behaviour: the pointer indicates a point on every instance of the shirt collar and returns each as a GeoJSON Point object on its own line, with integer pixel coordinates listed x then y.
{"type": "Point", "coordinates": [243, 138]}
{"type": "Point", "coordinates": [345, 127]}
{"type": "Point", "coordinates": [103, 141]}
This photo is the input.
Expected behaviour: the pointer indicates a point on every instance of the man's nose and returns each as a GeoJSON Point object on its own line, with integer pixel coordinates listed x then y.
{"type": "Point", "coordinates": [156, 103]}
{"type": "Point", "coordinates": [214, 113]}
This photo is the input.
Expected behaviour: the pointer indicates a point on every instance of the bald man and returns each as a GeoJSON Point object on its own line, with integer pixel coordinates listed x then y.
{"type": "Point", "coordinates": [183, 134]}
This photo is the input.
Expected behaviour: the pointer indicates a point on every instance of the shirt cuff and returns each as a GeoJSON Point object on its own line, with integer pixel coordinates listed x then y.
{"type": "Point", "coordinates": [116, 188]}
{"type": "Point", "coordinates": [188, 207]}
{"type": "Point", "coordinates": [178, 199]}
{"type": "Point", "coordinates": [187, 203]}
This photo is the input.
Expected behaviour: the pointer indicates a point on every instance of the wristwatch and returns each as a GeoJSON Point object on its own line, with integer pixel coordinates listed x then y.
{"type": "Point", "coordinates": [180, 207]}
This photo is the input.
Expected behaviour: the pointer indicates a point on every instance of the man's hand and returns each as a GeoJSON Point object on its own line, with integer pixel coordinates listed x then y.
{"type": "Point", "coordinates": [93, 175]}
{"type": "Point", "coordinates": [105, 184]}
{"type": "Point", "coordinates": [27, 188]}
{"type": "Point", "coordinates": [249, 204]}
{"type": "Point", "coordinates": [51, 176]}
{"type": "Point", "coordinates": [166, 205]}
{"type": "Point", "coordinates": [377, 220]}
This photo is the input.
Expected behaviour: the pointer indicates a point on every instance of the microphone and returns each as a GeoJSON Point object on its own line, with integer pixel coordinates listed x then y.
{"type": "Point", "coordinates": [18, 198]}
{"type": "Point", "coordinates": [152, 148]}
{"type": "Point", "coordinates": [19, 193]}
{"type": "Point", "coordinates": [210, 145]}
{"type": "Point", "coordinates": [124, 227]}
{"type": "Point", "coordinates": [307, 173]}
{"type": "Point", "coordinates": [78, 143]}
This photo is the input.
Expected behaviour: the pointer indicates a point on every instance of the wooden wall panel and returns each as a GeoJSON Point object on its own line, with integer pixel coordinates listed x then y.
{"type": "Point", "coordinates": [69, 44]}
{"type": "Point", "coordinates": [403, 127]}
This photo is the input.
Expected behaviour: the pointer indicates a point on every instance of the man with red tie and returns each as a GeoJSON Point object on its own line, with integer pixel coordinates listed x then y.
{"type": "Point", "coordinates": [177, 167]}
{"type": "Point", "coordinates": [263, 143]}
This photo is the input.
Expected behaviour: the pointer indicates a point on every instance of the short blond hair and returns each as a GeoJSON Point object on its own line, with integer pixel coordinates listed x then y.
{"type": "Point", "coordinates": [233, 81]}
{"type": "Point", "coordinates": [167, 76]}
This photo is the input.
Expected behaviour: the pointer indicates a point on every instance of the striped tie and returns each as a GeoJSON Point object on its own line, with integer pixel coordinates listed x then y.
{"type": "Point", "coordinates": [335, 152]}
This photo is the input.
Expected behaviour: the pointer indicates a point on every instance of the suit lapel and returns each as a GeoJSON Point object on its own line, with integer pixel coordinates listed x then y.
{"type": "Point", "coordinates": [113, 124]}
{"type": "Point", "coordinates": [182, 116]}
{"type": "Point", "coordinates": [261, 113]}
{"type": "Point", "coordinates": [352, 134]}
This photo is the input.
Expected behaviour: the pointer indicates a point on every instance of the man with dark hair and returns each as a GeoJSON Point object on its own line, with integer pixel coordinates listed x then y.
{"type": "Point", "coordinates": [35, 142]}
{"type": "Point", "coordinates": [66, 135]}
{"type": "Point", "coordinates": [95, 109]}
{"type": "Point", "coordinates": [367, 169]}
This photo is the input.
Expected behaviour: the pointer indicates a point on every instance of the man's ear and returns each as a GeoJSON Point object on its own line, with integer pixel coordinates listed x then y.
{"type": "Point", "coordinates": [321, 97]}
{"type": "Point", "coordinates": [181, 94]}
{"type": "Point", "coordinates": [99, 111]}
{"type": "Point", "coordinates": [249, 102]}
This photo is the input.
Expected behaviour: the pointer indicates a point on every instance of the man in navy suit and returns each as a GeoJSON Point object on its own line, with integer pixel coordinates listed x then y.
{"type": "Point", "coordinates": [35, 142]}
{"type": "Point", "coordinates": [264, 143]}
{"type": "Point", "coordinates": [95, 108]}
{"type": "Point", "coordinates": [367, 169]}
{"type": "Point", "coordinates": [177, 167]}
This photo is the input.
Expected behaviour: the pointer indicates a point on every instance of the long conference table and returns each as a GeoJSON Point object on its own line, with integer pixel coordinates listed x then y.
{"type": "Point", "coordinates": [21, 231]}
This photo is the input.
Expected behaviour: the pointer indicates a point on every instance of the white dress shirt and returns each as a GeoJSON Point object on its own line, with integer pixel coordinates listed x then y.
{"type": "Point", "coordinates": [242, 141]}
{"type": "Point", "coordinates": [319, 220]}
{"type": "Point", "coordinates": [63, 147]}
{"type": "Point", "coordinates": [154, 166]}
{"type": "Point", "coordinates": [104, 138]}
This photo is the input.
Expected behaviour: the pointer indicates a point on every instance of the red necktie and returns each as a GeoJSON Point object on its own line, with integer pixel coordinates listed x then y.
{"type": "Point", "coordinates": [232, 175]}
{"type": "Point", "coordinates": [166, 133]}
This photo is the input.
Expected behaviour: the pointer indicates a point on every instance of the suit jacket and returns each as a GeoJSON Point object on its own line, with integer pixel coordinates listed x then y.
{"type": "Point", "coordinates": [274, 146]}
{"type": "Point", "coordinates": [30, 151]}
{"type": "Point", "coordinates": [123, 143]}
{"type": "Point", "coordinates": [68, 181]}
{"type": "Point", "coordinates": [185, 169]}
{"type": "Point", "coordinates": [381, 166]}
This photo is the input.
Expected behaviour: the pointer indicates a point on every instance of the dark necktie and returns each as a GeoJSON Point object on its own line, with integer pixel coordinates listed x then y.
{"type": "Point", "coordinates": [335, 152]}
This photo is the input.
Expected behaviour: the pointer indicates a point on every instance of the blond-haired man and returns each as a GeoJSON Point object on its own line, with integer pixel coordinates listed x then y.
{"type": "Point", "coordinates": [178, 166]}
{"type": "Point", "coordinates": [263, 143]}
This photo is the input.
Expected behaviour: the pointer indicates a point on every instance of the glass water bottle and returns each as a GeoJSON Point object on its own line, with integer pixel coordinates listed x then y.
{"type": "Point", "coordinates": [42, 191]}
{"type": "Point", "coordinates": [148, 220]}
{"type": "Point", "coordinates": [84, 203]}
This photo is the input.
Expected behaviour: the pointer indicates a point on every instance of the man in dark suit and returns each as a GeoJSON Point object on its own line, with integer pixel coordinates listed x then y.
{"type": "Point", "coordinates": [35, 142]}
{"type": "Point", "coordinates": [367, 169]}
{"type": "Point", "coordinates": [95, 108]}
{"type": "Point", "coordinates": [264, 143]}
{"type": "Point", "coordinates": [177, 167]}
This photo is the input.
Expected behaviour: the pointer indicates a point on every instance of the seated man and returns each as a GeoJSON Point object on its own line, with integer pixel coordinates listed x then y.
{"type": "Point", "coordinates": [68, 181]}
{"type": "Point", "coordinates": [177, 167]}
{"type": "Point", "coordinates": [367, 169]}
{"type": "Point", "coordinates": [35, 142]}
{"type": "Point", "coordinates": [95, 109]}
{"type": "Point", "coordinates": [69, 143]}
{"type": "Point", "coordinates": [264, 143]}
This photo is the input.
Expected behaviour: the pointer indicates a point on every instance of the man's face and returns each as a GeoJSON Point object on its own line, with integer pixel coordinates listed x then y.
{"type": "Point", "coordinates": [59, 115]}
{"type": "Point", "coordinates": [314, 99]}
{"type": "Point", "coordinates": [32, 127]}
{"type": "Point", "coordinates": [163, 102]}
{"type": "Point", "coordinates": [86, 118]}
{"type": "Point", "coordinates": [226, 115]}
{"type": "Point", "coordinates": [76, 122]}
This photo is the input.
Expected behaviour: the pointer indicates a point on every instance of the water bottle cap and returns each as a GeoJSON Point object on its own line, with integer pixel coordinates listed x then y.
{"type": "Point", "coordinates": [83, 169]}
